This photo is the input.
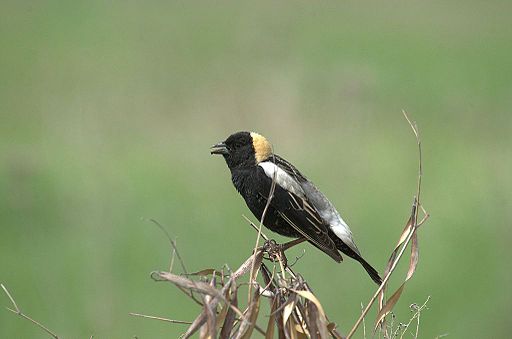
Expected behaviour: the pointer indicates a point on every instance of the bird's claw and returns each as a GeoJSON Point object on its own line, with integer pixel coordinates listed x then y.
{"type": "Point", "coordinates": [275, 251]}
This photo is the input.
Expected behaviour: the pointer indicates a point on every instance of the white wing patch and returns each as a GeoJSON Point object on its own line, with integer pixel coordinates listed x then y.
{"type": "Point", "coordinates": [283, 179]}
{"type": "Point", "coordinates": [342, 231]}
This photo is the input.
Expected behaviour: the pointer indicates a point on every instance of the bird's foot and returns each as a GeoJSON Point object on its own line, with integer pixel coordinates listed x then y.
{"type": "Point", "coordinates": [275, 251]}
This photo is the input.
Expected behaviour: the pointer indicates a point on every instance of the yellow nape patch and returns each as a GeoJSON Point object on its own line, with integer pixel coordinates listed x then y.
{"type": "Point", "coordinates": [262, 148]}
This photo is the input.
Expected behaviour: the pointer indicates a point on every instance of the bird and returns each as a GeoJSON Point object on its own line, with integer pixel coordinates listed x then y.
{"type": "Point", "coordinates": [297, 208]}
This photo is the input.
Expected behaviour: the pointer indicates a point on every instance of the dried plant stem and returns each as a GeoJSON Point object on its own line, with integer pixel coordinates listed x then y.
{"type": "Point", "coordinates": [269, 199]}
{"type": "Point", "coordinates": [159, 318]}
{"type": "Point", "coordinates": [417, 325]}
{"type": "Point", "coordinates": [418, 141]}
{"type": "Point", "coordinates": [24, 316]}
{"type": "Point", "coordinates": [364, 324]}
{"type": "Point", "coordinates": [263, 235]}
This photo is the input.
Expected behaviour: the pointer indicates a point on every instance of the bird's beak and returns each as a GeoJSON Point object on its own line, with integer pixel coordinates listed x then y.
{"type": "Point", "coordinates": [219, 148]}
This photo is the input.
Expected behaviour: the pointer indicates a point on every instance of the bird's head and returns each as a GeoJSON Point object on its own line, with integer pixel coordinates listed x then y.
{"type": "Point", "coordinates": [243, 149]}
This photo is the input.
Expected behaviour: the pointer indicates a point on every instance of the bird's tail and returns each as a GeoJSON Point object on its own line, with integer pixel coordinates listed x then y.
{"type": "Point", "coordinates": [372, 272]}
{"type": "Point", "coordinates": [344, 248]}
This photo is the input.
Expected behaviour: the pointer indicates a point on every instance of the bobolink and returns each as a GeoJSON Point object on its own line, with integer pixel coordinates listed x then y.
{"type": "Point", "coordinates": [297, 209]}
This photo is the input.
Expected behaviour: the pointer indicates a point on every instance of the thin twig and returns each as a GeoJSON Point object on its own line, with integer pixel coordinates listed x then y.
{"type": "Point", "coordinates": [297, 258]}
{"type": "Point", "coordinates": [24, 316]}
{"type": "Point", "coordinates": [177, 254]}
{"type": "Point", "coordinates": [364, 324]}
{"type": "Point", "coordinates": [160, 318]}
{"type": "Point", "coordinates": [393, 335]}
{"type": "Point", "coordinates": [415, 316]}
{"type": "Point", "coordinates": [11, 298]}
{"type": "Point", "coordinates": [271, 280]}
{"type": "Point", "coordinates": [417, 325]}
{"type": "Point", "coordinates": [171, 265]}
{"type": "Point", "coordinates": [282, 265]}
{"type": "Point", "coordinates": [418, 141]}
{"type": "Point", "coordinates": [269, 199]}
{"type": "Point", "coordinates": [173, 244]}
{"type": "Point", "coordinates": [263, 235]}
{"type": "Point", "coordinates": [398, 329]}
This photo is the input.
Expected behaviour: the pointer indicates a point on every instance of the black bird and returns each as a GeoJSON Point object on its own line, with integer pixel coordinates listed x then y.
{"type": "Point", "coordinates": [298, 209]}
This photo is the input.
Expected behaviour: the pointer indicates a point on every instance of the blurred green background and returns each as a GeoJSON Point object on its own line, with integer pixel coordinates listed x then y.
{"type": "Point", "coordinates": [108, 110]}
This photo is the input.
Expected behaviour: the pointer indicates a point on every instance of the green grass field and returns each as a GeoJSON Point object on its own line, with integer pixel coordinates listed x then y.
{"type": "Point", "coordinates": [108, 111]}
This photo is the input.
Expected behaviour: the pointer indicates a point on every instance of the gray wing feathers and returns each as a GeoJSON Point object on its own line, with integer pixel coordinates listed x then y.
{"type": "Point", "coordinates": [329, 214]}
{"type": "Point", "coordinates": [288, 177]}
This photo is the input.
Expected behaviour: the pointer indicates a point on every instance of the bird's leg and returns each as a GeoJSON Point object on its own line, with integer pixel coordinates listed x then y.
{"type": "Point", "coordinates": [292, 243]}
{"type": "Point", "coordinates": [271, 247]}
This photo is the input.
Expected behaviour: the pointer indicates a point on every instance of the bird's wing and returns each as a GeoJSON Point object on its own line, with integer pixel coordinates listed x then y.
{"type": "Point", "coordinates": [293, 207]}
{"type": "Point", "coordinates": [320, 203]}
{"type": "Point", "coordinates": [289, 169]}
{"type": "Point", "coordinates": [299, 214]}
{"type": "Point", "coordinates": [316, 200]}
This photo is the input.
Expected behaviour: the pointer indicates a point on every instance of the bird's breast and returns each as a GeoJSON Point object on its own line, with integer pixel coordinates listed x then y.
{"type": "Point", "coordinates": [245, 181]}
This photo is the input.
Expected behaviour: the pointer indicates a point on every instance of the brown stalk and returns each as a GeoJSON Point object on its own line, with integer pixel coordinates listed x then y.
{"type": "Point", "coordinates": [269, 199]}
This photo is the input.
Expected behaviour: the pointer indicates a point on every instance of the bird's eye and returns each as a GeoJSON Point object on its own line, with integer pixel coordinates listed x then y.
{"type": "Point", "coordinates": [234, 146]}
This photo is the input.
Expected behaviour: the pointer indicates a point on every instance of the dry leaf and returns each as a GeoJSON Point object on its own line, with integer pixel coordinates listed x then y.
{"type": "Point", "coordinates": [291, 328]}
{"type": "Point", "coordinates": [389, 305]}
{"type": "Point", "coordinates": [310, 296]}
{"type": "Point", "coordinates": [224, 310]}
{"type": "Point", "coordinates": [206, 272]}
{"type": "Point", "coordinates": [288, 309]}
{"type": "Point", "coordinates": [196, 325]}
{"type": "Point", "coordinates": [385, 309]}
{"type": "Point", "coordinates": [269, 333]}
{"type": "Point", "coordinates": [229, 321]}
{"type": "Point", "coordinates": [247, 325]}
{"type": "Point", "coordinates": [210, 313]}
{"type": "Point", "coordinates": [321, 319]}
{"type": "Point", "coordinates": [413, 262]}
{"type": "Point", "coordinates": [198, 286]}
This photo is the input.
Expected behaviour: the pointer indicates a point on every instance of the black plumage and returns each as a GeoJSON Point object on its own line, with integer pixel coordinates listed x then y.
{"type": "Point", "coordinates": [298, 208]}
